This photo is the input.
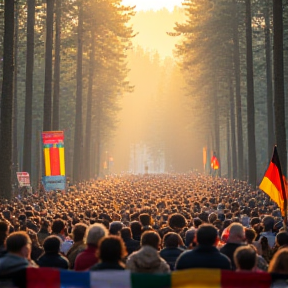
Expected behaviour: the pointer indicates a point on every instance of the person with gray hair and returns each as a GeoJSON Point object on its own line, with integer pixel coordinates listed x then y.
{"type": "Point", "coordinates": [236, 239]}
{"type": "Point", "coordinates": [88, 258]}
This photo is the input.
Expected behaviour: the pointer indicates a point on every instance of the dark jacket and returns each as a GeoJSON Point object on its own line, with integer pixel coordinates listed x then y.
{"type": "Point", "coordinates": [53, 261]}
{"type": "Point", "coordinates": [131, 245]}
{"type": "Point", "coordinates": [73, 252]}
{"type": "Point", "coordinates": [11, 263]}
{"type": "Point", "coordinates": [203, 256]}
{"type": "Point", "coordinates": [36, 252]}
{"type": "Point", "coordinates": [228, 250]}
{"type": "Point", "coordinates": [107, 266]}
{"type": "Point", "coordinates": [170, 255]}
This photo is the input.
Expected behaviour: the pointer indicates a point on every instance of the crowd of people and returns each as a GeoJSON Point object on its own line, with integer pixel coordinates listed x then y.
{"type": "Point", "coordinates": [149, 224]}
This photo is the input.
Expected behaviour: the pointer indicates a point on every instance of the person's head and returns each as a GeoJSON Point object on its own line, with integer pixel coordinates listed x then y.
{"type": "Point", "coordinates": [282, 238]}
{"type": "Point", "coordinates": [236, 233]}
{"type": "Point", "coordinates": [19, 243]}
{"type": "Point", "coordinates": [94, 233]}
{"type": "Point", "coordinates": [250, 235]}
{"type": "Point", "coordinates": [268, 223]}
{"type": "Point", "coordinates": [52, 244]}
{"type": "Point", "coordinates": [115, 228]}
{"type": "Point", "coordinates": [79, 232]}
{"type": "Point", "coordinates": [151, 238]}
{"type": "Point", "coordinates": [126, 233]}
{"type": "Point", "coordinates": [245, 258]}
{"type": "Point", "coordinates": [58, 226]}
{"type": "Point", "coordinates": [172, 240]}
{"type": "Point", "coordinates": [207, 235]}
{"type": "Point", "coordinates": [197, 222]}
{"type": "Point", "coordinates": [145, 219]}
{"type": "Point", "coordinates": [177, 221]}
{"type": "Point", "coordinates": [136, 228]}
{"type": "Point", "coordinates": [111, 249]}
{"type": "Point", "coordinates": [212, 217]}
{"type": "Point", "coordinates": [279, 262]}
{"type": "Point", "coordinates": [190, 237]}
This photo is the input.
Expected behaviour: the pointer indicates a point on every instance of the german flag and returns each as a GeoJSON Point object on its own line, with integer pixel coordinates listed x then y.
{"type": "Point", "coordinates": [273, 183]}
{"type": "Point", "coordinates": [214, 163]}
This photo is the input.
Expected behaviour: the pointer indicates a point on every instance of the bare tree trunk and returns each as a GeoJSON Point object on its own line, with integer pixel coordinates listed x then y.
{"type": "Point", "coordinates": [7, 102]}
{"type": "Point", "coordinates": [252, 165]}
{"type": "Point", "coordinates": [56, 94]}
{"type": "Point", "coordinates": [279, 96]}
{"type": "Point", "coordinates": [233, 134]}
{"type": "Point", "coordinates": [47, 119]}
{"type": "Point", "coordinates": [270, 110]}
{"type": "Point", "coordinates": [238, 93]}
{"type": "Point", "coordinates": [78, 137]}
{"type": "Point", "coordinates": [27, 155]}
{"type": "Point", "coordinates": [87, 163]}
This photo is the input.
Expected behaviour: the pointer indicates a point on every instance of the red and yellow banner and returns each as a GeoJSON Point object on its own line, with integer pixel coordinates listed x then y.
{"type": "Point", "coordinates": [54, 154]}
{"type": "Point", "coordinates": [214, 163]}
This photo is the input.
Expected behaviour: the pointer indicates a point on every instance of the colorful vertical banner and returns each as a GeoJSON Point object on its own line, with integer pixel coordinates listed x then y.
{"type": "Point", "coordinates": [54, 160]}
{"type": "Point", "coordinates": [204, 158]}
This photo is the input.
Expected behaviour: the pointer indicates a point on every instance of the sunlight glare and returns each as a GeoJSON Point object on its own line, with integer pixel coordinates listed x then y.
{"type": "Point", "coordinates": [153, 4]}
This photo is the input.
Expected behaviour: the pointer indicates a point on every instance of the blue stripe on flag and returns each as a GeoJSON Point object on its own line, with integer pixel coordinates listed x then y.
{"type": "Point", "coordinates": [71, 279]}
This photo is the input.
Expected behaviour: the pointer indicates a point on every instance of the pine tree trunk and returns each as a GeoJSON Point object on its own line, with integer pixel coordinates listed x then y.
{"type": "Point", "coordinates": [7, 102]}
{"type": "Point", "coordinates": [87, 163]}
{"type": "Point", "coordinates": [238, 93]}
{"type": "Point", "coordinates": [27, 155]}
{"type": "Point", "coordinates": [233, 134]}
{"type": "Point", "coordinates": [56, 93]}
{"type": "Point", "coordinates": [229, 168]}
{"type": "Point", "coordinates": [78, 141]}
{"type": "Point", "coordinates": [252, 165]}
{"type": "Point", "coordinates": [47, 119]}
{"type": "Point", "coordinates": [279, 96]}
{"type": "Point", "coordinates": [217, 130]}
{"type": "Point", "coordinates": [15, 95]}
{"type": "Point", "coordinates": [270, 110]}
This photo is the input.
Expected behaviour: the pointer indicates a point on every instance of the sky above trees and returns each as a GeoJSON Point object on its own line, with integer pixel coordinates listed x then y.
{"type": "Point", "coordinates": [152, 4]}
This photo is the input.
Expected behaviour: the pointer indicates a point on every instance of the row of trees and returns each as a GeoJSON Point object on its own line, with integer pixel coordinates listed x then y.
{"type": "Point", "coordinates": [64, 68]}
{"type": "Point", "coordinates": [226, 56]}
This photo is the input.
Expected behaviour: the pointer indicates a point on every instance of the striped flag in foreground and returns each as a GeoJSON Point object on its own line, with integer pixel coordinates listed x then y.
{"type": "Point", "coordinates": [192, 278]}
{"type": "Point", "coordinates": [274, 182]}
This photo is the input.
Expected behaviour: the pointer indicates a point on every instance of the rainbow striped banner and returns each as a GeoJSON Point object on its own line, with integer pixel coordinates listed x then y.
{"type": "Point", "coordinates": [192, 278]}
{"type": "Point", "coordinates": [54, 157]}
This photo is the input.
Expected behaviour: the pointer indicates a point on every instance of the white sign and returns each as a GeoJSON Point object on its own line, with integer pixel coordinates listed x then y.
{"type": "Point", "coordinates": [23, 179]}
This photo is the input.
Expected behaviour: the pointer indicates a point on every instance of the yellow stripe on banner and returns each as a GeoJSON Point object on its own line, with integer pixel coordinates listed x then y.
{"type": "Point", "coordinates": [47, 161]}
{"type": "Point", "coordinates": [62, 161]}
{"type": "Point", "coordinates": [269, 188]}
{"type": "Point", "coordinates": [197, 278]}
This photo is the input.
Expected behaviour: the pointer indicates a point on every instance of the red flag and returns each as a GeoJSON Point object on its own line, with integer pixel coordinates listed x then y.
{"type": "Point", "coordinates": [214, 163]}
